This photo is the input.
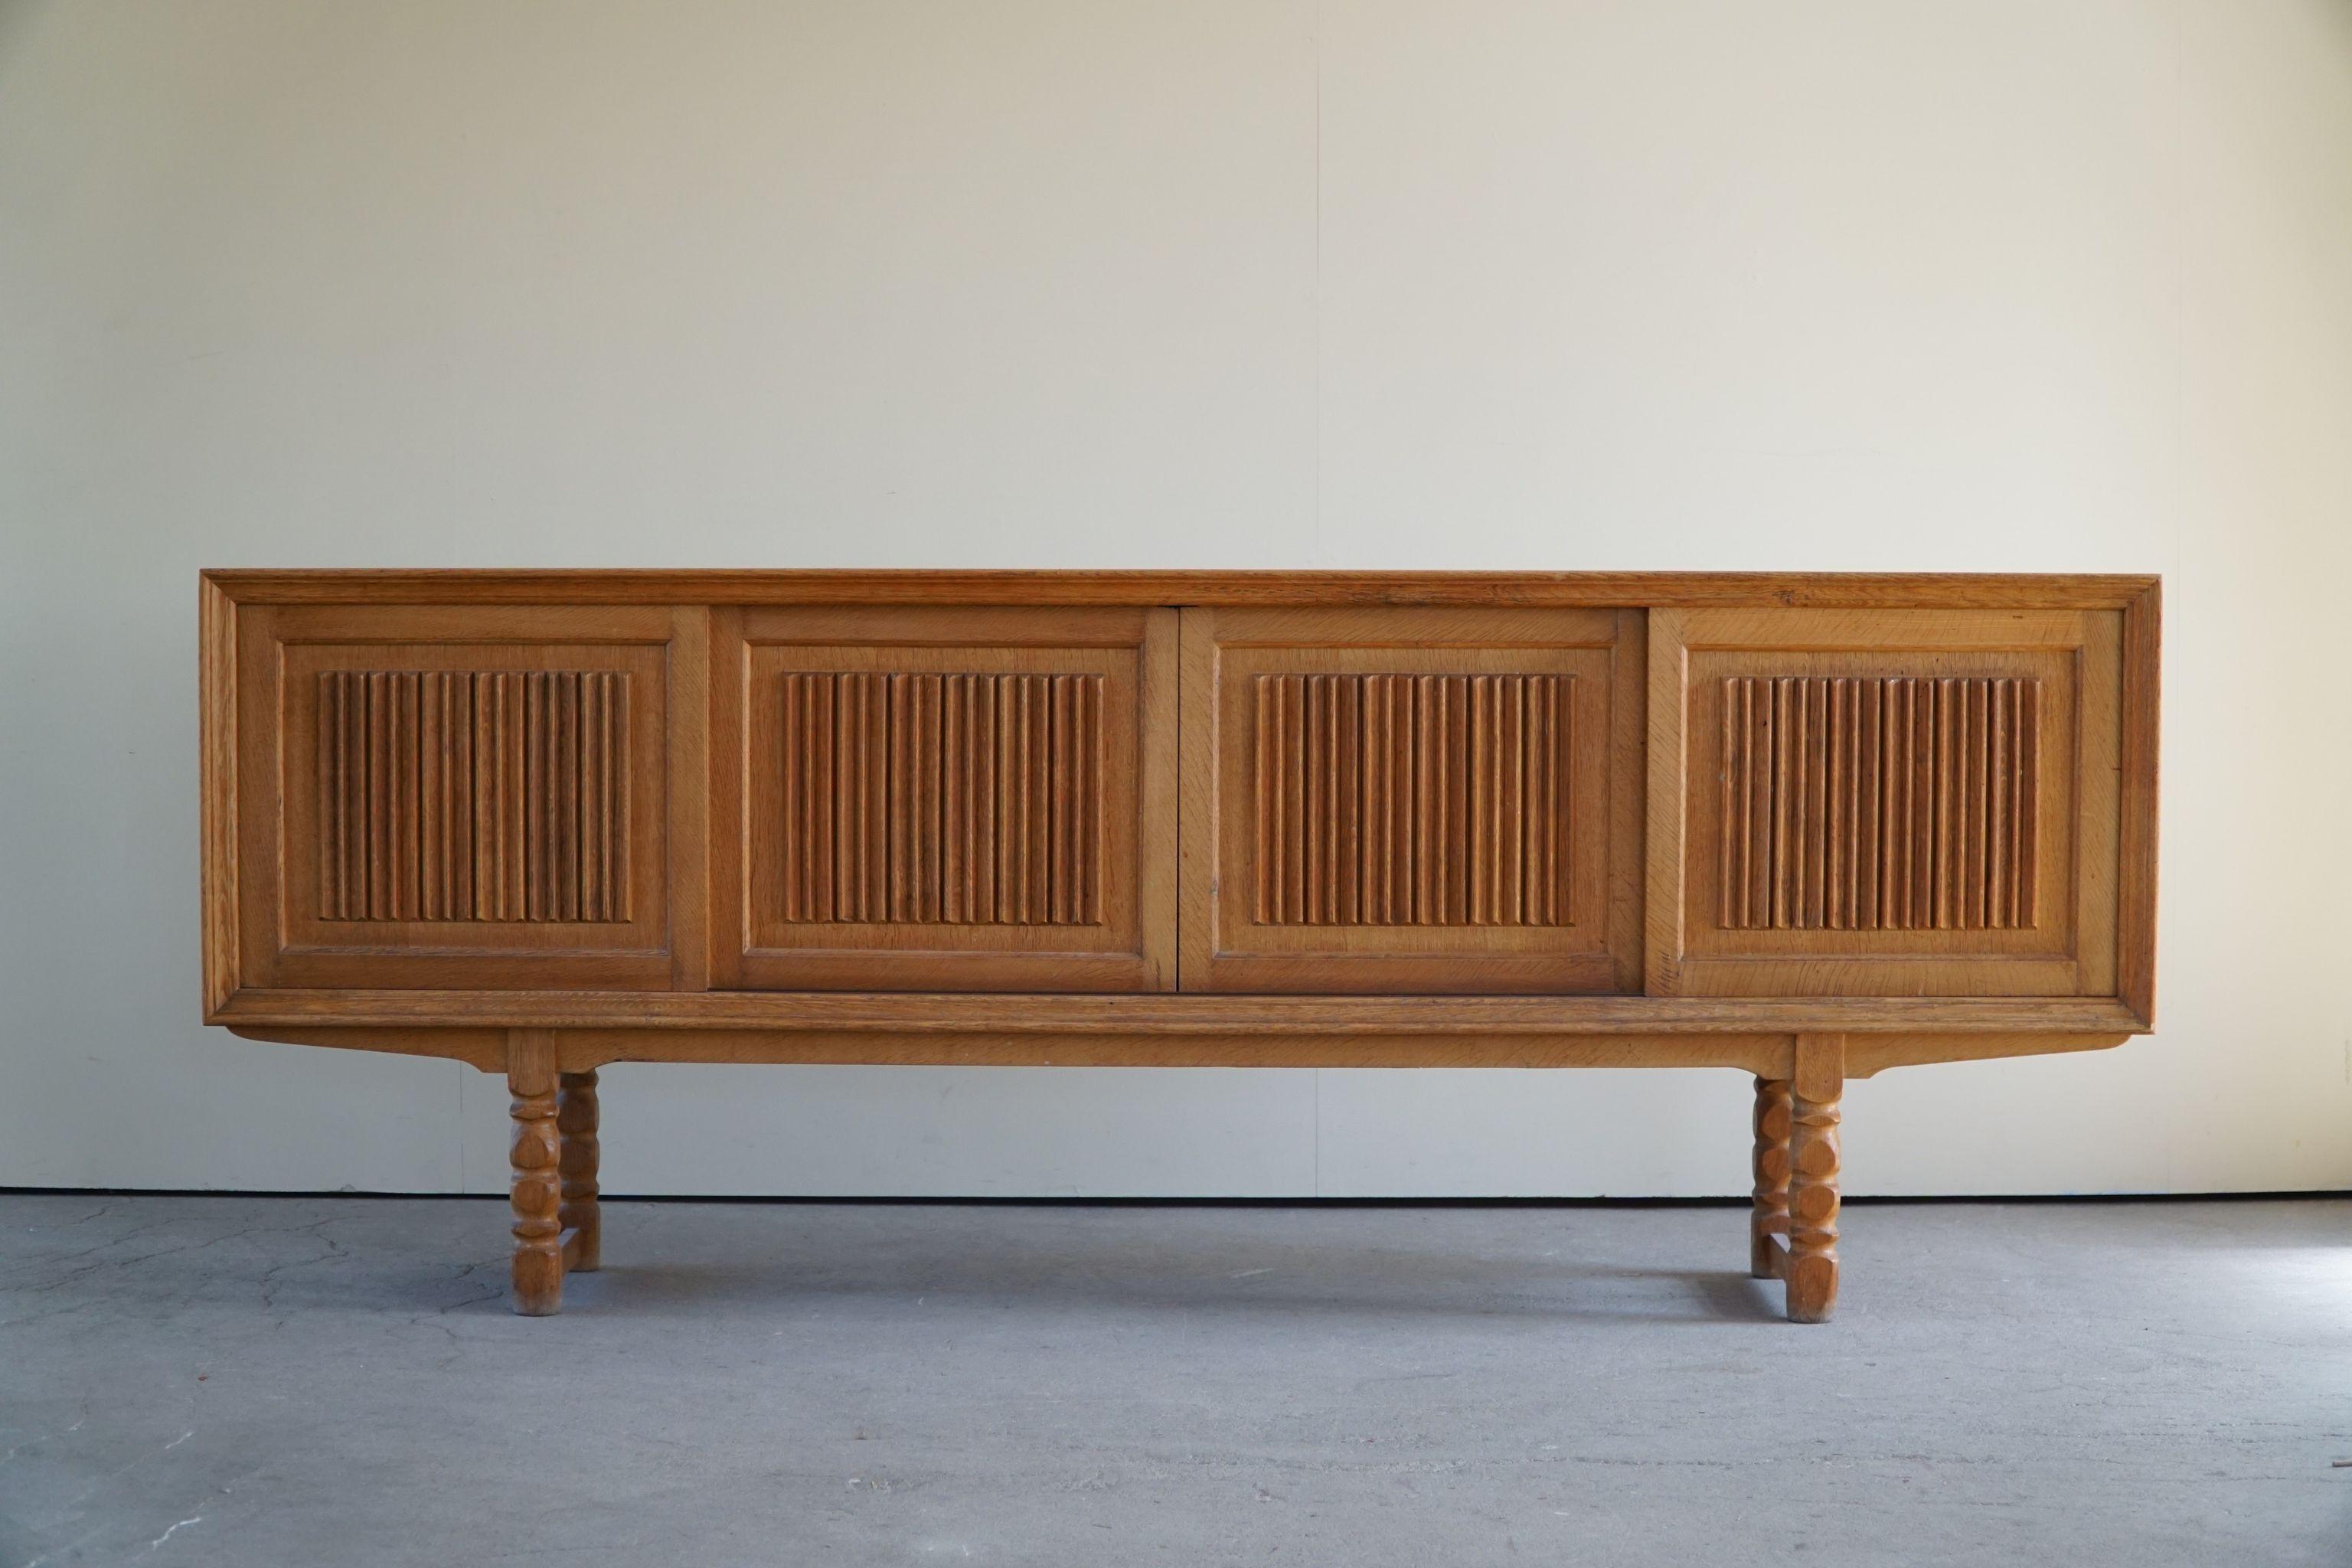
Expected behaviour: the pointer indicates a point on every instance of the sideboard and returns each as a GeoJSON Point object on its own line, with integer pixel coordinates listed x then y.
{"type": "Point", "coordinates": [1807, 827]}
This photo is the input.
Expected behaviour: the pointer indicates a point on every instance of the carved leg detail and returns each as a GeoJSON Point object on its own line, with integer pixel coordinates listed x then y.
{"type": "Point", "coordinates": [1820, 1089]}
{"type": "Point", "coordinates": [533, 1185]}
{"type": "Point", "coordinates": [575, 1117]}
{"type": "Point", "coordinates": [1768, 1223]}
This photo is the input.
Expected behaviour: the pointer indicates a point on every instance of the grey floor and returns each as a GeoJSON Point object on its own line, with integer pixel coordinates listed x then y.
{"type": "Point", "coordinates": [267, 1381]}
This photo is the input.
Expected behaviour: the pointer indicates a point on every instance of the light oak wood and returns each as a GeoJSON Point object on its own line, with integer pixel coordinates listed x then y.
{"type": "Point", "coordinates": [1816, 1089]}
{"type": "Point", "coordinates": [1659, 590]}
{"type": "Point", "coordinates": [1047, 1012]}
{"type": "Point", "coordinates": [218, 743]}
{"type": "Point", "coordinates": [1768, 1224]}
{"type": "Point", "coordinates": [1757, 1052]}
{"type": "Point", "coordinates": [2135, 803]}
{"type": "Point", "coordinates": [1804, 827]}
{"type": "Point", "coordinates": [424, 793]}
{"type": "Point", "coordinates": [1885, 803]}
{"type": "Point", "coordinates": [945, 799]}
{"type": "Point", "coordinates": [575, 1123]}
{"type": "Point", "coordinates": [1412, 800]}
{"type": "Point", "coordinates": [534, 1186]}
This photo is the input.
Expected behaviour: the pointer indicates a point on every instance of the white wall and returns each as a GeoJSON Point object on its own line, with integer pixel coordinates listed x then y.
{"type": "Point", "coordinates": [1267, 283]}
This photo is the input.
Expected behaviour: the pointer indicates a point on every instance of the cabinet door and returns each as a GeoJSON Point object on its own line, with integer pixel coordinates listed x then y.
{"type": "Point", "coordinates": [464, 797]}
{"type": "Point", "coordinates": [1413, 800]}
{"type": "Point", "coordinates": [1885, 803]}
{"type": "Point", "coordinates": [945, 799]}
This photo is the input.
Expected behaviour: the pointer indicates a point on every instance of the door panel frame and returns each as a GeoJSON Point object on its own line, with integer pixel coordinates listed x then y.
{"type": "Point", "coordinates": [1132, 949]}
{"type": "Point", "coordinates": [659, 947]}
{"type": "Point", "coordinates": [2076, 953]}
{"type": "Point", "coordinates": [1599, 953]}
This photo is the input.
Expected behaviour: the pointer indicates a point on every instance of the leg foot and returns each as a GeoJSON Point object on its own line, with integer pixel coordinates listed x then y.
{"type": "Point", "coordinates": [533, 1186]}
{"type": "Point", "coordinates": [575, 1117]}
{"type": "Point", "coordinates": [1767, 1222]}
{"type": "Point", "coordinates": [1818, 1090]}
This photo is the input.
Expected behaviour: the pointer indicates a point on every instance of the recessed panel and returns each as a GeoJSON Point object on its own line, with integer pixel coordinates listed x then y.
{"type": "Point", "coordinates": [488, 795]}
{"type": "Point", "coordinates": [1879, 803]}
{"type": "Point", "coordinates": [1885, 803]}
{"type": "Point", "coordinates": [1387, 799]}
{"type": "Point", "coordinates": [951, 799]}
{"type": "Point", "coordinates": [474, 798]}
{"type": "Point", "coordinates": [1416, 800]}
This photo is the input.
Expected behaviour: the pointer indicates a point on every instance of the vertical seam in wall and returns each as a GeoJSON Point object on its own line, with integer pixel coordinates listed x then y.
{"type": "Point", "coordinates": [1316, 349]}
{"type": "Point", "coordinates": [1318, 1142]}
{"type": "Point", "coordinates": [462, 1068]}
{"type": "Point", "coordinates": [2176, 557]}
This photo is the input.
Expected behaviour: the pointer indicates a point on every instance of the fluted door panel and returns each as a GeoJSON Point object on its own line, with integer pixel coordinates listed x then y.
{"type": "Point", "coordinates": [958, 798]}
{"type": "Point", "coordinates": [1885, 803]}
{"type": "Point", "coordinates": [477, 798]}
{"type": "Point", "coordinates": [1413, 800]}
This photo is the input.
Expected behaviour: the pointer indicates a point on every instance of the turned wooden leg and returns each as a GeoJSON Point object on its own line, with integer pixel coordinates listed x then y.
{"type": "Point", "coordinates": [1767, 1222]}
{"type": "Point", "coordinates": [533, 1186]}
{"type": "Point", "coordinates": [1818, 1087]}
{"type": "Point", "coordinates": [575, 1117]}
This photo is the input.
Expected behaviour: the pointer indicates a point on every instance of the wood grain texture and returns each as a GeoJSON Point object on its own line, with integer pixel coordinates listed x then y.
{"type": "Point", "coordinates": [478, 797]}
{"type": "Point", "coordinates": [1836, 824]}
{"type": "Point", "coordinates": [1413, 799]}
{"type": "Point", "coordinates": [580, 1216]}
{"type": "Point", "coordinates": [2136, 880]}
{"type": "Point", "coordinates": [473, 795]}
{"type": "Point", "coordinates": [1182, 1013]}
{"type": "Point", "coordinates": [560, 604]}
{"type": "Point", "coordinates": [1818, 1090]}
{"type": "Point", "coordinates": [1885, 803]}
{"type": "Point", "coordinates": [1758, 1054]}
{"type": "Point", "coordinates": [534, 1182]}
{"type": "Point", "coordinates": [1666, 797]}
{"type": "Point", "coordinates": [1767, 1222]}
{"type": "Point", "coordinates": [1664, 590]}
{"type": "Point", "coordinates": [944, 799]}
{"type": "Point", "coordinates": [691, 787]}
{"type": "Point", "coordinates": [953, 799]}
{"type": "Point", "coordinates": [217, 669]}
{"type": "Point", "coordinates": [1889, 802]}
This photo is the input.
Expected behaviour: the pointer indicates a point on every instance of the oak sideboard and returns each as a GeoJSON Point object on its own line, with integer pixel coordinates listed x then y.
{"type": "Point", "coordinates": [1805, 827]}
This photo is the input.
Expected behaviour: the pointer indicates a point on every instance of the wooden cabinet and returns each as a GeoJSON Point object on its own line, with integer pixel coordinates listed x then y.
{"type": "Point", "coordinates": [1809, 827]}
{"type": "Point", "coordinates": [945, 799]}
{"type": "Point", "coordinates": [1413, 800]}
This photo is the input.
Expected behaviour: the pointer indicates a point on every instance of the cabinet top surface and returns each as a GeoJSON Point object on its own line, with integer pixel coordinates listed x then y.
{"type": "Point", "coordinates": [1662, 590]}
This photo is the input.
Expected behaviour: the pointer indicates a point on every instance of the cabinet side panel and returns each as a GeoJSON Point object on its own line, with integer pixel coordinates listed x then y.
{"type": "Point", "coordinates": [217, 769]}
{"type": "Point", "coordinates": [2136, 886]}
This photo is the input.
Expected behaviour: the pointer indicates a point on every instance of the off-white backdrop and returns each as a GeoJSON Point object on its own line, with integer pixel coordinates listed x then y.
{"type": "Point", "coordinates": [1943, 284]}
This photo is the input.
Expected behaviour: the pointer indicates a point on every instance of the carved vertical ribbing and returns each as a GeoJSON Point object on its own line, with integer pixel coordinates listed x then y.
{"type": "Point", "coordinates": [473, 796]}
{"type": "Point", "coordinates": [1413, 799]}
{"type": "Point", "coordinates": [952, 799]}
{"type": "Point", "coordinates": [1894, 804]}
{"type": "Point", "coordinates": [534, 1184]}
{"type": "Point", "coordinates": [1769, 1218]}
{"type": "Point", "coordinates": [575, 1119]}
{"type": "Point", "coordinates": [1817, 1089]}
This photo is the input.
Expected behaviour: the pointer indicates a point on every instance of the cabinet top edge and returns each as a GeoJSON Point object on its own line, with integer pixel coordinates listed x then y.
{"type": "Point", "coordinates": [1653, 590]}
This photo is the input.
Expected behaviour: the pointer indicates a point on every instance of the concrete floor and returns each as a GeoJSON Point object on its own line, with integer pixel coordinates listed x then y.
{"type": "Point", "coordinates": [295, 1381]}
